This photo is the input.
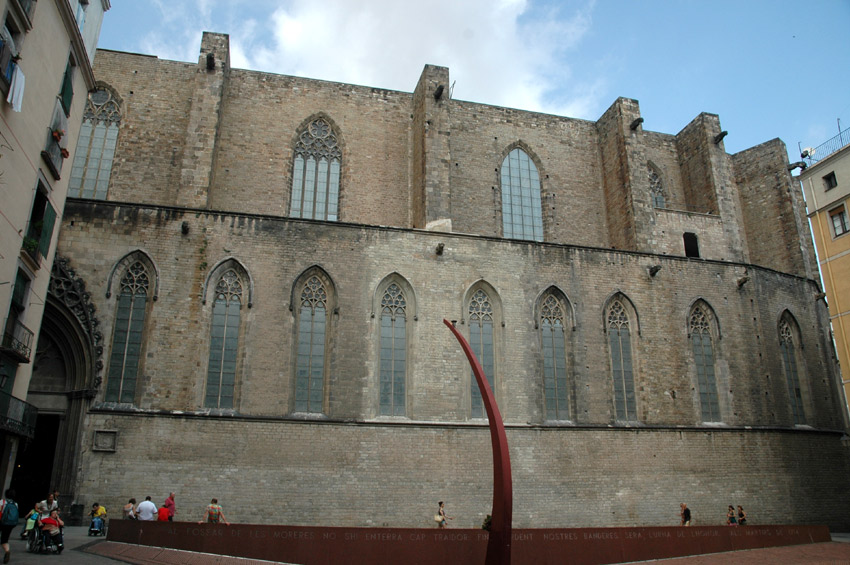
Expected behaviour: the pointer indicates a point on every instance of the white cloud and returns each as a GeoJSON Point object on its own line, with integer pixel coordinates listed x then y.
{"type": "Point", "coordinates": [507, 53]}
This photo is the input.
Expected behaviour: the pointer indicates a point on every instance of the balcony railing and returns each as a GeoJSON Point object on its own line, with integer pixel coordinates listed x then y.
{"type": "Point", "coordinates": [827, 148]}
{"type": "Point", "coordinates": [17, 416]}
{"type": "Point", "coordinates": [54, 155]}
{"type": "Point", "coordinates": [17, 340]}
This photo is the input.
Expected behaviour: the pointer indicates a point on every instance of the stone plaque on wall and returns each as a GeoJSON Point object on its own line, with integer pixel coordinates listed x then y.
{"type": "Point", "coordinates": [105, 440]}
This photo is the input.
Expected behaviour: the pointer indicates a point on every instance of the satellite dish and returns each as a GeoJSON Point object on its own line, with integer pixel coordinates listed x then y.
{"type": "Point", "coordinates": [807, 152]}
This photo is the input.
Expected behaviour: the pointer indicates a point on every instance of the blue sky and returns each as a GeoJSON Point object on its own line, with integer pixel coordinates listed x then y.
{"type": "Point", "coordinates": [768, 68]}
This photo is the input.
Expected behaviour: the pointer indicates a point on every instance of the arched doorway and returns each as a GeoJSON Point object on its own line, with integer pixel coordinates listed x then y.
{"type": "Point", "coordinates": [64, 380]}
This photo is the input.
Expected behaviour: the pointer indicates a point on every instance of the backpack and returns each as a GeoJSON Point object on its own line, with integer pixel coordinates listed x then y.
{"type": "Point", "coordinates": [10, 514]}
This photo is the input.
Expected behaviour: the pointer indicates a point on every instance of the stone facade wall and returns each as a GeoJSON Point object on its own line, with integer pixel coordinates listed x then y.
{"type": "Point", "coordinates": [276, 252]}
{"type": "Point", "coordinates": [409, 159]}
{"type": "Point", "coordinates": [564, 151]}
{"type": "Point", "coordinates": [772, 204]}
{"type": "Point", "coordinates": [393, 476]}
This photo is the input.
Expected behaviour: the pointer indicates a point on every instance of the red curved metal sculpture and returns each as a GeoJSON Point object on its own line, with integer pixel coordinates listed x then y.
{"type": "Point", "coordinates": [499, 544]}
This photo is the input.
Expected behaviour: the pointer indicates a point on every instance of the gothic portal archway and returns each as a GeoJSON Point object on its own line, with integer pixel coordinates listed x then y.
{"type": "Point", "coordinates": [65, 377]}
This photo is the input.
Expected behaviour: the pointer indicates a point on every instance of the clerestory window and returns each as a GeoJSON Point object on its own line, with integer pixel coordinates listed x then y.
{"type": "Point", "coordinates": [95, 147]}
{"type": "Point", "coordinates": [522, 214]}
{"type": "Point", "coordinates": [315, 173]}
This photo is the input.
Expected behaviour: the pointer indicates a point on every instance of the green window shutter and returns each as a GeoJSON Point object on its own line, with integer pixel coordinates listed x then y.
{"type": "Point", "coordinates": [19, 294]}
{"type": "Point", "coordinates": [46, 229]}
{"type": "Point", "coordinates": [67, 93]}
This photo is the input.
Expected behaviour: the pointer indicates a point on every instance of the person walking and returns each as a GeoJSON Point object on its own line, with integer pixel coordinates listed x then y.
{"type": "Point", "coordinates": [685, 514]}
{"type": "Point", "coordinates": [441, 513]}
{"type": "Point", "coordinates": [731, 519]}
{"type": "Point", "coordinates": [8, 521]}
{"type": "Point", "coordinates": [742, 516]}
{"type": "Point", "coordinates": [214, 514]}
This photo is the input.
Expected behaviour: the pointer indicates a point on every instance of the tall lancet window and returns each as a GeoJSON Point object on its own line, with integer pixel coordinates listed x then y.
{"type": "Point", "coordinates": [127, 334]}
{"type": "Point", "coordinates": [310, 358]}
{"type": "Point", "coordinates": [703, 348]}
{"type": "Point", "coordinates": [393, 352]}
{"type": "Point", "coordinates": [315, 173]}
{"type": "Point", "coordinates": [552, 319]}
{"type": "Point", "coordinates": [656, 188]}
{"type": "Point", "coordinates": [224, 341]}
{"type": "Point", "coordinates": [620, 347]}
{"type": "Point", "coordinates": [481, 341]}
{"type": "Point", "coordinates": [522, 213]}
{"type": "Point", "coordinates": [95, 147]}
{"type": "Point", "coordinates": [789, 359]}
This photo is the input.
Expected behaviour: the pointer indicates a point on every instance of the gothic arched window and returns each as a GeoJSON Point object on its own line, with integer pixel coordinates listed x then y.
{"type": "Point", "coordinates": [224, 341]}
{"type": "Point", "coordinates": [788, 348]}
{"type": "Point", "coordinates": [310, 356]}
{"type": "Point", "coordinates": [656, 187]}
{"type": "Point", "coordinates": [95, 146]}
{"type": "Point", "coordinates": [481, 341]}
{"type": "Point", "coordinates": [127, 334]}
{"type": "Point", "coordinates": [552, 323]}
{"type": "Point", "coordinates": [703, 348]}
{"type": "Point", "coordinates": [315, 173]}
{"type": "Point", "coordinates": [522, 213]}
{"type": "Point", "coordinates": [622, 372]}
{"type": "Point", "coordinates": [393, 352]}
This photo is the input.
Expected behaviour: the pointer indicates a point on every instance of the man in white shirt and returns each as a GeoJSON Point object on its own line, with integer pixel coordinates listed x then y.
{"type": "Point", "coordinates": [147, 510]}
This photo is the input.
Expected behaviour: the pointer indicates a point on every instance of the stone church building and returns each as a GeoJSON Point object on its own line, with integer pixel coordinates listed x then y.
{"type": "Point", "coordinates": [253, 272]}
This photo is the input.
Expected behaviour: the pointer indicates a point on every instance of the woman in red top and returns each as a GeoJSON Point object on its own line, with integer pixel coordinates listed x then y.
{"type": "Point", "coordinates": [51, 527]}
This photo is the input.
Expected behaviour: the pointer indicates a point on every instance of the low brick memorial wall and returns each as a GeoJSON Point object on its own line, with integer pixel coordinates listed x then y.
{"type": "Point", "coordinates": [321, 545]}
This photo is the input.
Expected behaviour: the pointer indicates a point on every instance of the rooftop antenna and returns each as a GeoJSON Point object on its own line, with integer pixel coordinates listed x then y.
{"type": "Point", "coordinates": [452, 89]}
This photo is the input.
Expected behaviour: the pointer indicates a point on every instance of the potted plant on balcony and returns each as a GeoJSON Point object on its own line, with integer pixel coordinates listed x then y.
{"type": "Point", "coordinates": [30, 244]}
{"type": "Point", "coordinates": [64, 152]}
{"type": "Point", "coordinates": [58, 133]}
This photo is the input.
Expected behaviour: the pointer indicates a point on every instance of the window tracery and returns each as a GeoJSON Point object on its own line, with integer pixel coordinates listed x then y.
{"type": "Point", "coordinates": [620, 350]}
{"type": "Point", "coordinates": [703, 349]}
{"type": "Point", "coordinates": [310, 356]}
{"type": "Point", "coordinates": [481, 340]}
{"type": "Point", "coordinates": [127, 334]}
{"type": "Point", "coordinates": [789, 359]}
{"type": "Point", "coordinates": [656, 188]}
{"type": "Point", "coordinates": [95, 146]}
{"type": "Point", "coordinates": [552, 322]}
{"type": "Point", "coordinates": [315, 174]}
{"type": "Point", "coordinates": [522, 212]}
{"type": "Point", "coordinates": [224, 341]}
{"type": "Point", "coordinates": [393, 371]}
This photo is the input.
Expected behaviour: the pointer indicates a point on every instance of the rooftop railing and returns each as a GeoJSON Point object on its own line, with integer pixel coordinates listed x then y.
{"type": "Point", "coordinates": [827, 148]}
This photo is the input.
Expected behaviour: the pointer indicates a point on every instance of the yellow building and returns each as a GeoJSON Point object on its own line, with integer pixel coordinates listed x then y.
{"type": "Point", "coordinates": [46, 54]}
{"type": "Point", "coordinates": [826, 185]}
